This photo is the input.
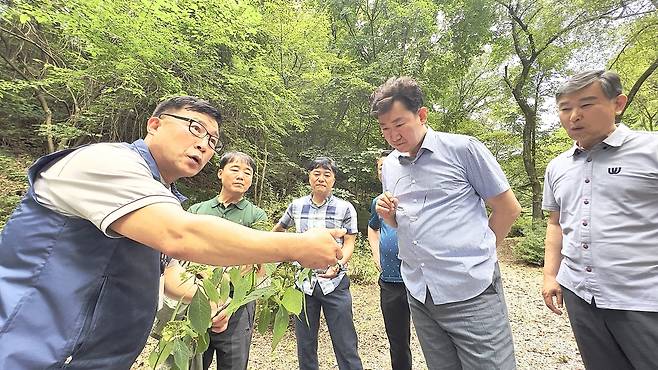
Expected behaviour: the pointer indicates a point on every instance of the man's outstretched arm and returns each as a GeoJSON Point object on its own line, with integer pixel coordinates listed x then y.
{"type": "Point", "coordinates": [211, 240]}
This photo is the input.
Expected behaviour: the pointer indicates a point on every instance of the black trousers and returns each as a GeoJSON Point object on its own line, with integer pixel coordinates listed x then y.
{"type": "Point", "coordinates": [613, 339]}
{"type": "Point", "coordinates": [397, 320]}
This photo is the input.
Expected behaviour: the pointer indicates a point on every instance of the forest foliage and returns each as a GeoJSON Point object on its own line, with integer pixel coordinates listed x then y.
{"type": "Point", "coordinates": [293, 78]}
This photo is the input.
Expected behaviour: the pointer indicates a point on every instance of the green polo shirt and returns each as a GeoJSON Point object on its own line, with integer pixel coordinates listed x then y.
{"type": "Point", "coordinates": [243, 212]}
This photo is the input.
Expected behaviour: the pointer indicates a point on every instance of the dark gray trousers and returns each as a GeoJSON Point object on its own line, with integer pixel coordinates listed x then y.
{"type": "Point", "coordinates": [337, 308]}
{"type": "Point", "coordinates": [232, 345]}
{"type": "Point", "coordinates": [472, 334]}
{"type": "Point", "coordinates": [613, 339]}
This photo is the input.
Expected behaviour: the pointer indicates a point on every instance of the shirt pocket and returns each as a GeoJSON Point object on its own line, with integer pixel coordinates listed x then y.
{"type": "Point", "coordinates": [630, 182]}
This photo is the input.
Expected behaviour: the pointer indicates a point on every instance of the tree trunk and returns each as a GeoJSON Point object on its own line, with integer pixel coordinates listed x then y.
{"type": "Point", "coordinates": [529, 146]}
{"type": "Point", "coordinates": [637, 85]}
{"type": "Point", "coordinates": [259, 199]}
{"type": "Point", "coordinates": [48, 121]}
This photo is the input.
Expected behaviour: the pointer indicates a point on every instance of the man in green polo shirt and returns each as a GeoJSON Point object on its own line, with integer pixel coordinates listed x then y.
{"type": "Point", "coordinates": [236, 171]}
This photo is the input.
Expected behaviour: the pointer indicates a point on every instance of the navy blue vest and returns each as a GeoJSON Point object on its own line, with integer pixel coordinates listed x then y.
{"type": "Point", "coordinates": [70, 297]}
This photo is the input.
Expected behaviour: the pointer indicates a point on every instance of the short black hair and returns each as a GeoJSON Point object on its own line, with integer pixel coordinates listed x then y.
{"type": "Point", "coordinates": [190, 103]}
{"type": "Point", "coordinates": [403, 89]}
{"type": "Point", "coordinates": [323, 162]}
{"type": "Point", "coordinates": [236, 156]}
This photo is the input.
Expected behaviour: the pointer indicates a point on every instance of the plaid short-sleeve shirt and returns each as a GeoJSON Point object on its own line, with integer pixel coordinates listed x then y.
{"type": "Point", "coordinates": [334, 213]}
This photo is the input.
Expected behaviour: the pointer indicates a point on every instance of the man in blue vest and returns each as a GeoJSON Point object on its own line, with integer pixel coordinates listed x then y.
{"type": "Point", "coordinates": [80, 257]}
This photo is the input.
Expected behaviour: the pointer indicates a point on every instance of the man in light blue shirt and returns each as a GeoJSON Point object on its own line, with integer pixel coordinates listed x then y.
{"type": "Point", "coordinates": [436, 186]}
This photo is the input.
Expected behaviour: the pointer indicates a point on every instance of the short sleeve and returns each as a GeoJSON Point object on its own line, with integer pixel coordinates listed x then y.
{"type": "Point", "coordinates": [350, 220]}
{"type": "Point", "coordinates": [549, 203]}
{"type": "Point", "coordinates": [261, 216]}
{"type": "Point", "coordinates": [483, 171]}
{"type": "Point", "coordinates": [374, 222]}
{"type": "Point", "coordinates": [194, 208]}
{"type": "Point", "coordinates": [100, 183]}
{"type": "Point", "coordinates": [287, 219]}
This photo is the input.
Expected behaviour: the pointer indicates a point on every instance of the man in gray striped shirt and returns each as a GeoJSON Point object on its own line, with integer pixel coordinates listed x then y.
{"type": "Point", "coordinates": [602, 235]}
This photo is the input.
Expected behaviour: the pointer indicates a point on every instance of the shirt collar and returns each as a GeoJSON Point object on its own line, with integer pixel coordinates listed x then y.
{"type": "Point", "coordinates": [143, 150]}
{"type": "Point", "coordinates": [326, 201]}
{"type": "Point", "coordinates": [427, 144]}
{"type": "Point", "coordinates": [618, 136]}
{"type": "Point", "coordinates": [240, 204]}
{"type": "Point", "coordinates": [615, 139]}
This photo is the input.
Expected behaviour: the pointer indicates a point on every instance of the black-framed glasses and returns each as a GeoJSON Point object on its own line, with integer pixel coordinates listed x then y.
{"type": "Point", "coordinates": [199, 130]}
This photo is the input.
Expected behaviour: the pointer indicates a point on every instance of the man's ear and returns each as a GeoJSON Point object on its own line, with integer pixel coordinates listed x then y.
{"type": "Point", "coordinates": [422, 114]}
{"type": "Point", "coordinates": [219, 175]}
{"type": "Point", "coordinates": [620, 103]}
{"type": "Point", "coordinates": [152, 125]}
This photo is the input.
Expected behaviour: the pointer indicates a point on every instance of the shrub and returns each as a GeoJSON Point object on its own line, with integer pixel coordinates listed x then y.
{"type": "Point", "coordinates": [519, 225]}
{"type": "Point", "coordinates": [361, 269]}
{"type": "Point", "coordinates": [531, 248]}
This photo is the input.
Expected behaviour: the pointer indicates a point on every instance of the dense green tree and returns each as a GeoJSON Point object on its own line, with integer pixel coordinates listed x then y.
{"type": "Point", "coordinates": [541, 38]}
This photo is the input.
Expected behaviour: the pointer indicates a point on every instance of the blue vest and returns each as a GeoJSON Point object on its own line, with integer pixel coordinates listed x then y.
{"type": "Point", "coordinates": [70, 297]}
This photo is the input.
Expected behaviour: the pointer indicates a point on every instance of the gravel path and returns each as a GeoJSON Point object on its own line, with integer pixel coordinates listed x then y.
{"type": "Point", "coordinates": [542, 339]}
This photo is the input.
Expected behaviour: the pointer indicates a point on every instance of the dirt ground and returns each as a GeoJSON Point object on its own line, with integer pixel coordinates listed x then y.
{"type": "Point", "coordinates": [542, 339]}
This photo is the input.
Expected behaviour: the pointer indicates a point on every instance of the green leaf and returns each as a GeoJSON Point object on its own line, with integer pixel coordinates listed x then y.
{"type": "Point", "coordinates": [182, 354]}
{"type": "Point", "coordinates": [269, 268]}
{"type": "Point", "coordinates": [234, 274]}
{"type": "Point", "coordinates": [224, 290]}
{"type": "Point", "coordinates": [23, 18]}
{"type": "Point", "coordinates": [158, 356]}
{"type": "Point", "coordinates": [203, 341]}
{"type": "Point", "coordinates": [281, 320]}
{"type": "Point", "coordinates": [292, 300]}
{"type": "Point", "coordinates": [260, 293]}
{"type": "Point", "coordinates": [264, 319]}
{"type": "Point", "coordinates": [199, 312]}
{"type": "Point", "coordinates": [217, 274]}
{"type": "Point", "coordinates": [305, 274]}
{"type": "Point", "coordinates": [241, 286]}
{"type": "Point", "coordinates": [211, 290]}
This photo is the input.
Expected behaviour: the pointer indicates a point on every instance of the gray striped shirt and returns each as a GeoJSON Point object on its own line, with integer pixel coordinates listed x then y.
{"type": "Point", "coordinates": [607, 198]}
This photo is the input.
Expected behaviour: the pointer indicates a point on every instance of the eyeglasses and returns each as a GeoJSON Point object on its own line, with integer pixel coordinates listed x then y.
{"type": "Point", "coordinates": [413, 216]}
{"type": "Point", "coordinates": [199, 130]}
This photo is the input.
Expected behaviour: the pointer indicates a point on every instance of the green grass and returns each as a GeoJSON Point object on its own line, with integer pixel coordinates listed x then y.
{"type": "Point", "coordinates": [13, 181]}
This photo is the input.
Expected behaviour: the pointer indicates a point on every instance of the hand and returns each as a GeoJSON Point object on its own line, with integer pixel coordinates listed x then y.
{"type": "Point", "coordinates": [246, 269]}
{"type": "Point", "coordinates": [219, 322]}
{"type": "Point", "coordinates": [377, 264]}
{"type": "Point", "coordinates": [219, 317]}
{"type": "Point", "coordinates": [331, 272]}
{"type": "Point", "coordinates": [321, 249]}
{"type": "Point", "coordinates": [386, 206]}
{"type": "Point", "coordinates": [552, 293]}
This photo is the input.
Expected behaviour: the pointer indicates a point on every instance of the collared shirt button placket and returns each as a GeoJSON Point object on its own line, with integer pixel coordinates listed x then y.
{"type": "Point", "coordinates": [585, 234]}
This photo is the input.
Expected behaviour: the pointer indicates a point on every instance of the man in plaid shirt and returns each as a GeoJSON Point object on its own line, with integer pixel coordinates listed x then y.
{"type": "Point", "coordinates": [328, 289]}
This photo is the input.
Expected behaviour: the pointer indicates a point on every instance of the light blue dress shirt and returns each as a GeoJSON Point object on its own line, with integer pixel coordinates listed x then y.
{"type": "Point", "coordinates": [445, 243]}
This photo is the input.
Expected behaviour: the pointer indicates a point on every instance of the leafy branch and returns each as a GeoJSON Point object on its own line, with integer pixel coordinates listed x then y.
{"type": "Point", "coordinates": [228, 289]}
